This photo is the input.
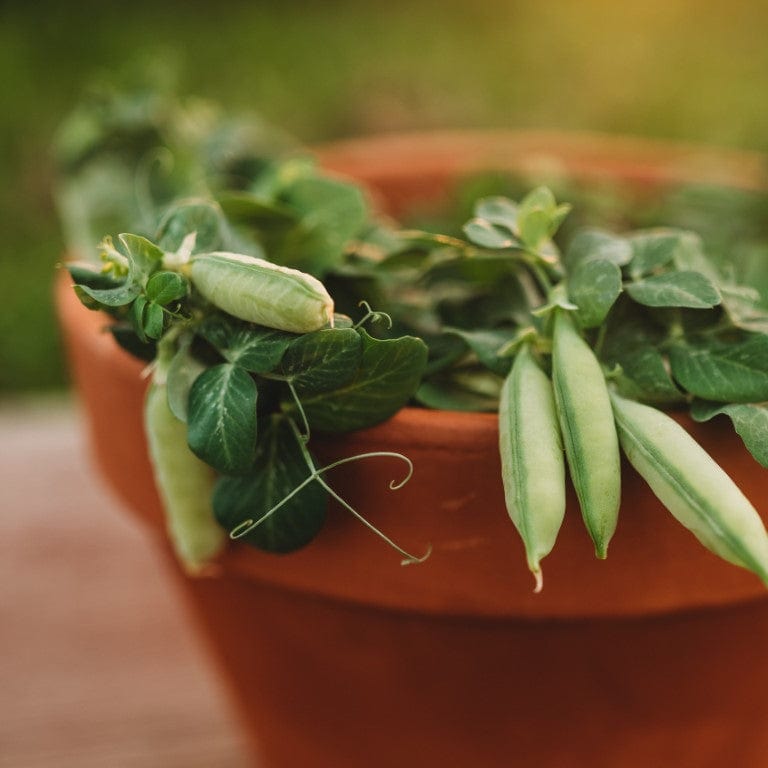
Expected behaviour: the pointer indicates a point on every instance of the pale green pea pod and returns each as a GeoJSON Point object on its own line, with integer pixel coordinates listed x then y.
{"type": "Point", "coordinates": [589, 431]}
{"type": "Point", "coordinates": [185, 485]}
{"type": "Point", "coordinates": [261, 292]}
{"type": "Point", "coordinates": [692, 486]}
{"type": "Point", "coordinates": [533, 467]}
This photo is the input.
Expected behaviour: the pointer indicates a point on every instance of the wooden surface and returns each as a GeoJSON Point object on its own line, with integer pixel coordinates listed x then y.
{"type": "Point", "coordinates": [97, 666]}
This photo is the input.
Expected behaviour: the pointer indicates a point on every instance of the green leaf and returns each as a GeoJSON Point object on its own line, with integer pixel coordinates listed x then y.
{"type": "Point", "coordinates": [222, 418]}
{"type": "Point", "coordinates": [323, 360]}
{"type": "Point", "coordinates": [279, 467]}
{"type": "Point", "coordinates": [653, 249]}
{"type": "Point", "coordinates": [476, 391]}
{"type": "Point", "coordinates": [138, 315]}
{"type": "Point", "coordinates": [594, 244]}
{"type": "Point", "coordinates": [256, 212]}
{"type": "Point", "coordinates": [497, 210]}
{"type": "Point", "coordinates": [85, 275]}
{"type": "Point", "coordinates": [113, 297]}
{"type": "Point", "coordinates": [182, 372]}
{"type": "Point", "coordinates": [388, 375]}
{"type": "Point", "coordinates": [675, 289]}
{"type": "Point", "coordinates": [253, 347]}
{"type": "Point", "coordinates": [488, 235]}
{"type": "Point", "coordinates": [202, 217]}
{"type": "Point", "coordinates": [165, 287]}
{"type": "Point", "coordinates": [594, 285]}
{"type": "Point", "coordinates": [144, 257]}
{"type": "Point", "coordinates": [534, 226]}
{"type": "Point", "coordinates": [723, 372]}
{"type": "Point", "coordinates": [331, 213]}
{"type": "Point", "coordinates": [745, 307]}
{"type": "Point", "coordinates": [749, 420]}
{"type": "Point", "coordinates": [644, 376]}
{"type": "Point", "coordinates": [154, 320]}
{"type": "Point", "coordinates": [486, 344]}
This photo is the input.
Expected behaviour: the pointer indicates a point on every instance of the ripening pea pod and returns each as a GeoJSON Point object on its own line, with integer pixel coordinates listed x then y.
{"type": "Point", "coordinates": [533, 467]}
{"type": "Point", "coordinates": [692, 486]}
{"type": "Point", "coordinates": [261, 292]}
{"type": "Point", "coordinates": [588, 429]}
{"type": "Point", "coordinates": [185, 484]}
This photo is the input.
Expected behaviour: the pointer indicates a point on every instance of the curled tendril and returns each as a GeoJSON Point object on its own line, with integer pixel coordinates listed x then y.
{"type": "Point", "coordinates": [315, 475]}
{"type": "Point", "coordinates": [373, 315]}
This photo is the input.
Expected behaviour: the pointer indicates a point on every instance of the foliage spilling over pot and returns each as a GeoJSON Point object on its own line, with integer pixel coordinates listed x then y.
{"type": "Point", "coordinates": [272, 304]}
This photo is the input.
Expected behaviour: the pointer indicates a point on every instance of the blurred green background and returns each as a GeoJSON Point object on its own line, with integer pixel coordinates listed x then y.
{"type": "Point", "coordinates": [684, 69]}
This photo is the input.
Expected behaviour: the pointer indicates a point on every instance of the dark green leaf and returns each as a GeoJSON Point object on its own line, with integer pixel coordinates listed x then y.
{"type": "Point", "coordinates": [594, 285]}
{"type": "Point", "coordinates": [154, 320]}
{"type": "Point", "coordinates": [323, 360]}
{"type": "Point", "coordinates": [486, 344]}
{"type": "Point", "coordinates": [388, 375]}
{"type": "Point", "coordinates": [222, 418]}
{"type": "Point", "coordinates": [750, 421]}
{"type": "Point", "coordinates": [202, 217]}
{"type": "Point", "coordinates": [466, 391]}
{"type": "Point", "coordinates": [84, 275]}
{"type": "Point", "coordinates": [723, 372]}
{"type": "Point", "coordinates": [675, 289]}
{"type": "Point", "coordinates": [256, 212]}
{"type": "Point", "coordinates": [138, 317]}
{"type": "Point", "coordinates": [279, 468]}
{"type": "Point", "coordinates": [644, 376]}
{"type": "Point", "coordinates": [125, 335]}
{"type": "Point", "coordinates": [165, 287]}
{"type": "Point", "coordinates": [253, 347]}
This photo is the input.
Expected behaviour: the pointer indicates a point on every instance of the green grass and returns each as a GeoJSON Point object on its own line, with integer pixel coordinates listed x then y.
{"type": "Point", "coordinates": [685, 69]}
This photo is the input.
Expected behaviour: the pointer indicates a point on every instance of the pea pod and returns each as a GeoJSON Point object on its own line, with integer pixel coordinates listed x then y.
{"type": "Point", "coordinates": [533, 468]}
{"type": "Point", "coordinates": [692, 486]}
{"type": "Point", "coordinates": [260, 292]}
{"type": "Point", "coordinates": [589, 431]}
{"type": "Point", "coordinates": [184, 482]}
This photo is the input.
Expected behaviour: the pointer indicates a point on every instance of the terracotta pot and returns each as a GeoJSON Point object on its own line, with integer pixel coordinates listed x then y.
{"type": "Point", "coordinates": [338, 656]}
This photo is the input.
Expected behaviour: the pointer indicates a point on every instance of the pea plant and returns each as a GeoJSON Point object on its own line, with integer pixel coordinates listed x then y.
{"type": "Point", "coordinates": [275, 305]}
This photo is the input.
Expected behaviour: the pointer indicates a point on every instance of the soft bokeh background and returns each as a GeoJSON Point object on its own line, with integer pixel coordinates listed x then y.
{"type": "Point", "coordinates": [684, 69]}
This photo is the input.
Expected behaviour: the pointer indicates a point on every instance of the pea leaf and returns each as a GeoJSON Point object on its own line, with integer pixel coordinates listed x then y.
{"type": "Point", "coordinates": [388, 375]}
{"type": "Point", "coordinates": [85, 275]}
{"type": "Point", "coordinates": [182, 372]}
{"type": "Point", "coordinates": [750, 421]}
{"type": "Point", "coordinates": [644, 376]}
{"type": "Point", "coordinates": [497, 210]}
{"type": "Point", "coordinates": [594, 244]}
{"type": "Point", "coordinates": [221, 419]}
{"type": "Point", "coordinates": [455, 392]}
{"type": "Point", "coordinates": [486, 343]}
{"type": "Point", "coordinates": [323, 360]}
{"type": "Point", "coordinates": [144, 257]}
{"type": "Point", "coordinates": [248, 208]}
{"type": "Point", "coordinates": [653, 249]}
{"type": "Point", "coordinates": [279, 467]}
{"type": "Point", "coordinates": [734, 372]}
{"type": "Point", "coordinates": [165, 287]}
{"type": "Point", "coordinates": [489, 235]}
{"type": "Point", "coordinates": [203, 217]}
{"type": "Point", "coordinates": [253, 347]}
{"type": "Point", "coordinates": [594, 285]}
{"type": "Point", "coordinates": [675, 289]}
{"type": "Point", "coordinates": [154, 320]}
{"type": "Point", "coordinates": [119, 296]}
{"type": "Point", "coordinates": [331, 213]}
